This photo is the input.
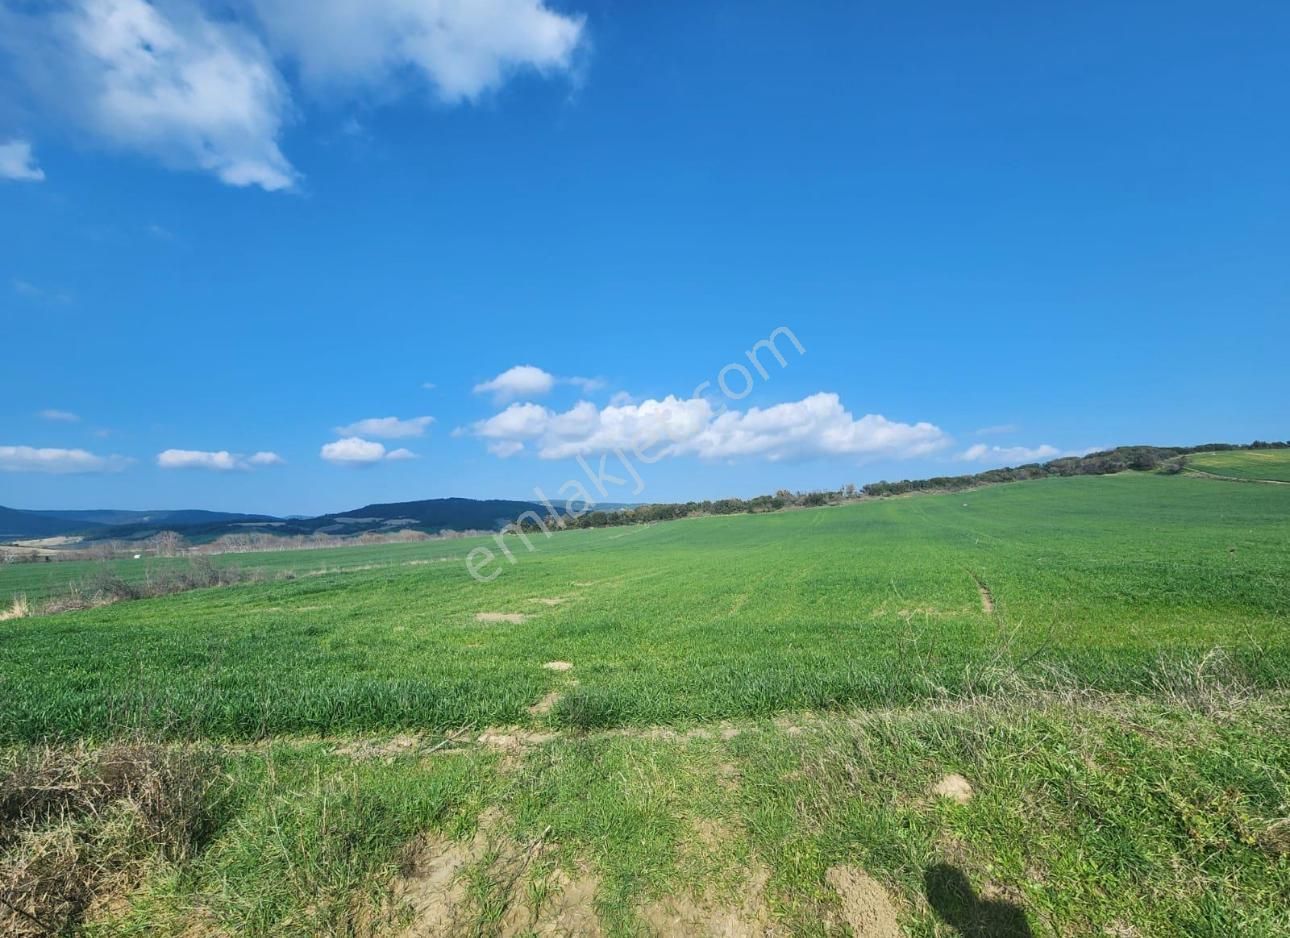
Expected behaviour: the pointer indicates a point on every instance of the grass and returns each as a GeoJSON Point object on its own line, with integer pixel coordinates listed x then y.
{"type": "Point", "coordinates": [1257, 464]}
{"type": "Point", "coordinates": [754, 704]}
{"type": "Point", "coordinates": [692, 621]}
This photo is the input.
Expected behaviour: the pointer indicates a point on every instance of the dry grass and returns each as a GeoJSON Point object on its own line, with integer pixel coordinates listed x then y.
{"type": "Point", "coordinates": [77, 827]}
{"type": "Point", "coordinates": [18, 609]}
{"type": "Point", "coordinates": [105, 587]}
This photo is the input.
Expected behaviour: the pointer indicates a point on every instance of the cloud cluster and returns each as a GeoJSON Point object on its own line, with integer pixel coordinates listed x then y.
{"type": "Point", "coordinates": [221, 460]}
{"type": "Point", "coordinates": [460, 48]}
{"type": "Point", "coordinates": [356, 451]}
{"type": "Point", "coordinates": [815, 426]}
{"type": "Point", "coordinates": [18, 163]}
{"type": "Point", "coordinates": [188, 84]}
{"type": "Point", "coordinates": [38, 459]}
{"type": "Point", "coordinates": [387, 428]}
{"type": "Point", "coordinates": [531, 381]}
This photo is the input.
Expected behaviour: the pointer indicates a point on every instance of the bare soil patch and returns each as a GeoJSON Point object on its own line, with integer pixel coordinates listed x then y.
{"type": "Point", "coordinates": [434, 884]}
{"type": "Point", "coordinates": [549, 600]}
{"type": "Point", "coordinates": [685, 915]}
{"type": "Point", "coordinates": [558, 666]}
{"type": "Point", "coordinates": [546, 704]}
{"type": "Point", "coordinates": [866, 907]}
{"type": "Point", "coordinates": [512, 618]}
{"type": "Point", "coordinates": [513, 738]}
{"type": "Point", "coordinates": [954, 787]}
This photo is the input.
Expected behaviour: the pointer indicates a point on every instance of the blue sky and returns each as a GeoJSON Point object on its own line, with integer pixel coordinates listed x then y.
{"type": "Point", "coordinates": [998, 230]}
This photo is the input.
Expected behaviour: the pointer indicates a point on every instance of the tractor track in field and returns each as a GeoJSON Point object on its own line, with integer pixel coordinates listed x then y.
{"type": "Point", "coordinates": [987, 597]}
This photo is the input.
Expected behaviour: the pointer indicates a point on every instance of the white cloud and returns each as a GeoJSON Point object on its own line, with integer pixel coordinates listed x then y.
{"type": "Point", "coordinates": [816, 426]}
{"type": "Point", "coordinates": [221, 460]}
{"type": "Point", "coordinates": [168, 81]}
{"type": "Point", "coordinates": [59, 416]}
{"type": "Point", "coordinates": [353, 451]}
{"type": "Point", "coordinates": [33, 459]}
{"type": "Point", "coordinates": [428, 385]}
{"type": "Point", "coordinates": [531, 381]}
{"type": "Point", "coordinates": [505, 449]}
{"type": "Point", "coordinates": [520, 381]}
{"type": "Point", "coordinates": [356, 451]}
{"type": "Point", "coordinates": [18, 163]}
{"type": "Point", "coordinates": [387, 428]}
{"type": "Point", "coordinates": [197, 459]}
{"type": "Point", "coordinates": [194, 84]}
{"type": "Point", "coordinates": [1008, 455]}
{"type": "Point", "coordinates": [462, 48]}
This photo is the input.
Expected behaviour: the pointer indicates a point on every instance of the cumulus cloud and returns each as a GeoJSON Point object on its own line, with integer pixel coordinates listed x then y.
{"type": "Point", "coordinates": [356, 451]}
{"type": "Point", "coordinates": [1009, 455]}
{"type": "Point", "coordinates": [520, 381]}
{"type": "Point", "coordinates": [167, 81]}
{"type": "Point", "coordinates": [815, 426]}
{"type": "Point", "coordinates": [58, 416]}
{"type": "Point", "coordinates": [387, 428]}
{"type": "Point", "coordinates": [196, 84]}
{"type": "Point", "coordinates": [220, 460]}
{"type": "Point", "coordinates": [34, 459]}
{"type": "Point", "coordinates": [18, 163]}
{"type": "Point", "coordinates": [461, 48]}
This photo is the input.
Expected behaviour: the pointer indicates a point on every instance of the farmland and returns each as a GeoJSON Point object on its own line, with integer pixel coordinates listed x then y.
{"type": "Point", "coordinates": [1258, 465]}
{"type": "Point", "coordinates": [743, 712]}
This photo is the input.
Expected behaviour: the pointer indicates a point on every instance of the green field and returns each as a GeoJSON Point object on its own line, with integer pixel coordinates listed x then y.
{"type": "Point", "coordinates": [1269, 465]}
{"type": "Point", "coordinates": [753, 703]}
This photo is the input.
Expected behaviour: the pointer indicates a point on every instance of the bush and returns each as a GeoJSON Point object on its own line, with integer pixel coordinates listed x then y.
{"type": "Point", "coordinates": [76, 825]}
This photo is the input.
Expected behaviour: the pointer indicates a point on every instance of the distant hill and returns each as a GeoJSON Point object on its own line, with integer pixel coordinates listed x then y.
{"type": "Point", "coordinates": [16, 524]}
{"type": "Point", "coordinates": [428, 515]}
{"type": "Point", "coordinates": [458, 514]}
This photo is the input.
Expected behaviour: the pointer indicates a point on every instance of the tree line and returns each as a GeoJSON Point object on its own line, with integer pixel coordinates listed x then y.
{"type": "Point", "coordinates": [1121, 459]}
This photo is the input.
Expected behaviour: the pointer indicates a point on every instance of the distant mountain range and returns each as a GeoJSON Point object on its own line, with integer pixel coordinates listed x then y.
{"type": "Point", "coordinates": [429, 516]}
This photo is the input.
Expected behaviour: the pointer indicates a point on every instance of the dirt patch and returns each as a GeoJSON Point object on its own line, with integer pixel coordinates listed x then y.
{"type": "Point", "coordinates": [954, 787]}
{"type": "Point", "coordinates": [866, 907]}
{"type": "Point", "coordinates": [513, 738]}
{"type": "Point", "coordinates": [558, 666]}
{"type": "Point", "coordinates": [545, 705]}
{"type": "Point", "coordinates": [568, 909]}
{"type": "Point", "coordinates": [452, 887]}
{"type": "Point", "coordinates": [513, 618]}
{"type": "Point", "coordinates": [685, 915]}
{"type": "Point", "coordinates": [987, 597]}
{"type": "Point", "coordinates": [380, 749]}
{"type": "Point", "coordinates": [432, 885]}
{"type": "Point", "coordinates": [549, 600]}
